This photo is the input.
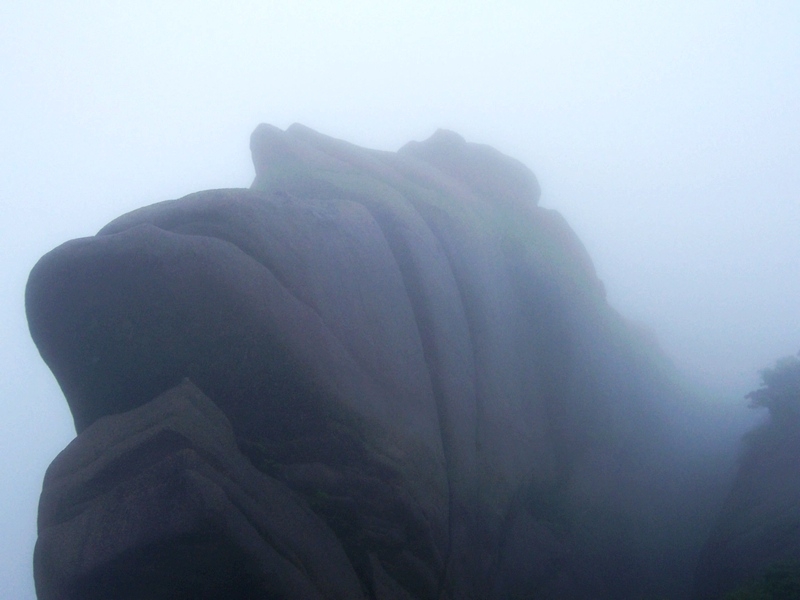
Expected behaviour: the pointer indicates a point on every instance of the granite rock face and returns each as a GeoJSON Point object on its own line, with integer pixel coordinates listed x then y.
{"type": "Point", "coordinates": [168, 481]}
{"type": "Point", "coordinates": [425, 393]}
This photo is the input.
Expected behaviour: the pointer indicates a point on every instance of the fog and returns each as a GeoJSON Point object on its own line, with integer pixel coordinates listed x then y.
{"type": "Point", "coordinates": [667, 134]}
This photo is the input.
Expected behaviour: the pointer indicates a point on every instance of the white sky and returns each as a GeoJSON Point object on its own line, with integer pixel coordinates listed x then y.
{"type": "Point", "coordinates": [667, 133]}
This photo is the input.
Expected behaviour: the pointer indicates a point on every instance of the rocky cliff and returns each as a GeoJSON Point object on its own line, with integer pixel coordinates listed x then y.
{"type": "Point", "coordinates": [755, 543]}
{"type": "Point", "coordinates": [373, 374]}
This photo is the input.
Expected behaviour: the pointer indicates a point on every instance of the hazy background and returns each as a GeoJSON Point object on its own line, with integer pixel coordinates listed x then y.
{"type": "Point", "coordinates": [667, 133]}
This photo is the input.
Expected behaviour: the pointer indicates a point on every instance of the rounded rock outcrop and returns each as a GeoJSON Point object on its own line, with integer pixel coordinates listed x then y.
{"type": "Point", "coordinates": [402, 350]}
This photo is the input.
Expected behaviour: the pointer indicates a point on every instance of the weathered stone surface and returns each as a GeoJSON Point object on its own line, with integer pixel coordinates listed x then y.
{"type": "Point", "coordinates": [158, 502]}
{"type": "Point", "coordinates": [759, 526]}
{"type": "Point", "coordinates": [409, 344]}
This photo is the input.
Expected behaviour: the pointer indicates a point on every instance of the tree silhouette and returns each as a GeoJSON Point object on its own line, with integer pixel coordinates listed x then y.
{"type": "Point", "coordinates": [780, 389]}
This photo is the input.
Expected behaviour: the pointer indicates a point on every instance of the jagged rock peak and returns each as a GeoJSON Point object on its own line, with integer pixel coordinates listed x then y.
{"type": "Point", "coordinates": [445, 137]}
{"type": "Point", "coordinates": [487, 173]}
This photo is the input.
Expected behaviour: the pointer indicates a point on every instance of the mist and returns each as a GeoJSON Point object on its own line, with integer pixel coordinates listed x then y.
{"type": "Point", "coordinates": [668, 136]}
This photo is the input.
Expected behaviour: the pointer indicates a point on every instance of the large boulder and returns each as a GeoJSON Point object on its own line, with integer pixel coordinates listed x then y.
{"type": "Point", "coordinates": [158, 502]}
{"type": "Point", "coordinates": [409, 351]}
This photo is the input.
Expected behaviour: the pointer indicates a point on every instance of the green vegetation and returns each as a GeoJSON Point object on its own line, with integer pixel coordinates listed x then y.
{"type": "Point", "coordinates": [780, 389]}
{"type": "Point", "coordinates": [779, 582]}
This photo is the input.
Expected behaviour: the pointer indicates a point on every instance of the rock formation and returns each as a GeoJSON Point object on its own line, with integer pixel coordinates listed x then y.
{"type": "Point", "coordinates": [373, 374]}
{"type": "Point", "coordinates": [167, 480]}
